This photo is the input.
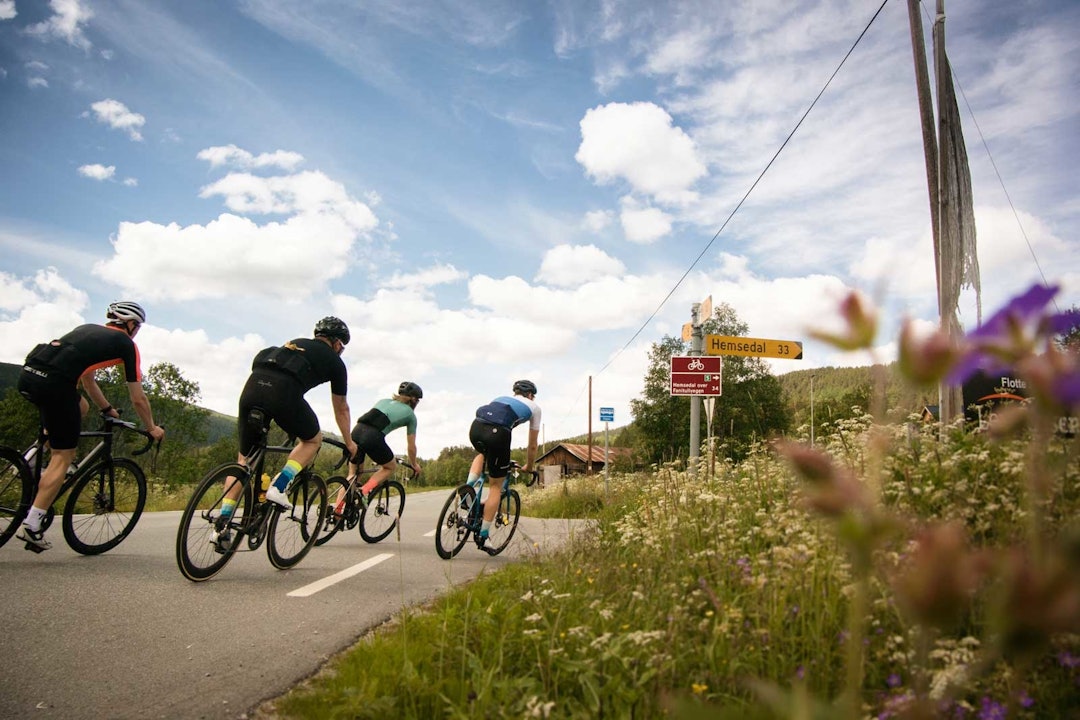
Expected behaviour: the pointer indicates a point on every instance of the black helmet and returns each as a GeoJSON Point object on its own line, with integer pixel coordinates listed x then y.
{"type": "Point", "coordinates": [333, 328]}
{"type": "Point", "coordinates": [410, 389]}
{"type": "Point", "coordinates": [525, 387]}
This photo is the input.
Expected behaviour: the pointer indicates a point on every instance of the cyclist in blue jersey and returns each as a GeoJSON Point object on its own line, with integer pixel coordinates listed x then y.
{"type": "Point", "coordinates": [370, 433]}
{"type": "Point", "coordinates": [490, 435]}
{"type": "Point", "coordinates": [50, 379]}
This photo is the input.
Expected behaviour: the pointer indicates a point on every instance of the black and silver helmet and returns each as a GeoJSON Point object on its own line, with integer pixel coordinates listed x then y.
{"type": "Point", "coordinates": [333, 328]}
{"type": "Point", "coordinates": [125, 310]}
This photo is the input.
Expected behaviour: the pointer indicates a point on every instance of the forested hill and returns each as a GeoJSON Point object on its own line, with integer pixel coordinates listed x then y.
{"type": "Point", "coordinates": [837, 389]}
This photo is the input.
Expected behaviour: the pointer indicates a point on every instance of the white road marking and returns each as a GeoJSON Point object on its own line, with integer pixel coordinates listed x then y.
{"type": "Point", "coordinates": [312, 588]}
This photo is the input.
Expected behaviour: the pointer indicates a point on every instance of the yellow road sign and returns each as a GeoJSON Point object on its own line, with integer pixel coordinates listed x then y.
{"type": "Point", "coordinates": [753, 347]}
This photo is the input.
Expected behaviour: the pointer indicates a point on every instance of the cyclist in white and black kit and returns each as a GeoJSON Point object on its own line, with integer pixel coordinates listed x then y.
{"type": "Point", "coordinates": [490, 435]}
{"type": "Point", "coordinates": [280, 376]}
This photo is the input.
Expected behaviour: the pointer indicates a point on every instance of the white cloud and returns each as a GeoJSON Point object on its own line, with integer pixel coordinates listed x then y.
{"type": "Point", "coordinates": [37, 82]}
{"type": "Point", "coordinates": [596, 221]}
{"type": "Point", "coordinates": [573, 265]}
{"type": "Point", "coordinates": [117, 116]}
{"type": "Point", "coordinates": [638, 143]}
{"type": "Point", "coordinates": [232, 155]}
{"type": "Point", "coordinates": [97, 172]}
{"type": "Point", "coordinates": [36, 309]}
{"type": "Point", "coordinates": [36, 66]}
{"type": "Point", "coordinates": [642, 224]}
{"type": "Point", "coordinates": [7, 10]}
{"type": "Point", "coordinates": [64, 24]}
{"type": "Point", "coordinates": [235, 256]}
{"type": "Point", "coordinates": [435, 275]}
{"type": "Point", "coordinates": [131, 182]}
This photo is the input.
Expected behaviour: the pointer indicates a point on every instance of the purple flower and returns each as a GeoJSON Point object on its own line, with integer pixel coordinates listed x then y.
{"type": "Point", "coordinates": [893, 680]}
{"type": "Point", "coordinates": [1067, 660]}
{"type": "Point", "coordinates": [991, 710]}
{"type": "Point", "coordinates": [1026, 701]}
{"type": "Point", "coordinates": [1010, 333]}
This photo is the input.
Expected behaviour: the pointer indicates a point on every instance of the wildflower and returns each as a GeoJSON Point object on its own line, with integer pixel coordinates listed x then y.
{"type": "Point", "coordinates": [699, 689]}
{"type": "Point", "coordinates": [991, 710]}
{"type": "Point", "coordinates": [937, 585]}
{"type": "Point", "coordinates": [893, 680]}
{"type": "Point", "coordinates": [860, 322]}
{"type": "Point", "coordinates": [925, 361]}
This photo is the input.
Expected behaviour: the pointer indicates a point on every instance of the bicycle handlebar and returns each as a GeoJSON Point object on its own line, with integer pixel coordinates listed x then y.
{"type": "Point", "coordinates": [117, 422]}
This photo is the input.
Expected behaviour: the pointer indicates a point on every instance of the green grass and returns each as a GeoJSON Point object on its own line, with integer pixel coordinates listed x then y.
{"type": "Point", "coordinates": [719, 595]}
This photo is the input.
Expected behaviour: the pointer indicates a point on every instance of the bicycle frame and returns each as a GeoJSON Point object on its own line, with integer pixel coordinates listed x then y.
{"type": "Point", "coordinates": [104, 449]}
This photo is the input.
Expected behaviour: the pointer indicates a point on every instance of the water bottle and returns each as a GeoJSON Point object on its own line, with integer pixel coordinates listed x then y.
{"type": "Point", "coordinates": [265, 485]}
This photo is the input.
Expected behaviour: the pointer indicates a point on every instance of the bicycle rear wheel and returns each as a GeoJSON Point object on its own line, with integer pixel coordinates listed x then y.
{"type": "Point", "coordinates": [293, 533]}
{"type": "Point", "coordinates": [196, 556]}
{"type": "Point", "coordinates": [16, 486]}
{"type": "Point", "coordinates": [505, 523]}
{"type": "Point", "coordinates": [331, 523]}
{"type": "Point", "coordinates": [103, 506]}
{"type": "Point", "coordinates": [453, 528]}
{"type": "Point", "coordinates": [384, 508]}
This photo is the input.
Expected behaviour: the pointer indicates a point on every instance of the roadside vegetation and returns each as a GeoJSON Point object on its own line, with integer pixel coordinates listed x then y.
{"type": "Point", "coordinates": [748, 594]}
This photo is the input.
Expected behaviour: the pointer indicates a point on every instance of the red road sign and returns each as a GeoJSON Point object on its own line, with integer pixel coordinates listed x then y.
{"type": "Point", "coordinates": [698, 375]}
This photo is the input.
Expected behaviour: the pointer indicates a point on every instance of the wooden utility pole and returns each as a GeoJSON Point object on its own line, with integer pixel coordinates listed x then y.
{"type": "Point", "coordinates": [588, 462]}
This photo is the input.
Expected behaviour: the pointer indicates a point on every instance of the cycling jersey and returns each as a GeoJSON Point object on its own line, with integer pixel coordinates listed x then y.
{"type": "Point", "coordinates": [279, 388]}
{"type": "Point", "coordinates": [509, 412]}
{"type": "Point", "coordinates": [372, 427]}
{"type": "Point", "coordinates": [51, 371]}
{"type": "Point", "coordinates": [87, 347]}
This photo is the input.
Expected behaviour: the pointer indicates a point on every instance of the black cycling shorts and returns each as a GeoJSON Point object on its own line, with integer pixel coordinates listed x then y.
{"type": "Point", "coordinates": [493, 441]}
{"type": "Point", "coordinates": [282, 397]}
{"type": "Point", "coordinates": [58, 403]}
{"type": "Point", "coordinates": [371, 443]}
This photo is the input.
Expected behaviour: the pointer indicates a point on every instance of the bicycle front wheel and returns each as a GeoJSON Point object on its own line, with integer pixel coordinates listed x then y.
{"type": "Point", "coordinates": [384, 508]}
{"type": "Point", "coordinates": [293, 533]}
{"type": "Point", "coordinates": [332, 523]}
{"type": "Point", "coordinates": [453, 528]}
{"type": "Point", "coordinates": [104, 505]}
{"type": "Point", "coordinates": [197, 555]}
{"type": "Point", "coordinates": [505, 523]}
{"type": "Point", "coordinates": [16, 486]}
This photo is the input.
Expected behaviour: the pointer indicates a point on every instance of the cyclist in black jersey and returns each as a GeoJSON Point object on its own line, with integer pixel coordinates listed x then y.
{"type": "Point", "coordinates": [280, 376]}
{"type": "Point", "coordinates": [50, 379]}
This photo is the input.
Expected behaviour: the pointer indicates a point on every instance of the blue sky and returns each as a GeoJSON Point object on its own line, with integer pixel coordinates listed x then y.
{"type": "Point", "coordinates": [487, 191]}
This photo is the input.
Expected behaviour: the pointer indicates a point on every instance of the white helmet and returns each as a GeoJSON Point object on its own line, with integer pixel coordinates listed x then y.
{"type": "Point", "coordinates": [125, 310]}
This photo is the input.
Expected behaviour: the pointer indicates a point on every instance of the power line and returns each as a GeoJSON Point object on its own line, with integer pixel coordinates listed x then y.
{"type": "Point", "coordinates": [750, 190]}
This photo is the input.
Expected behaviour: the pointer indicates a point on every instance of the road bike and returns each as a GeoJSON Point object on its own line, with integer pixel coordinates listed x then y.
{"type": "Point", "coordinates": [207, 540]}
{"type": "Point", "coordinates": [463, 515]}
{"type": "Point", "coordinates": [105, 494]}
{"type": "Point", "coordinates": [376, 518]}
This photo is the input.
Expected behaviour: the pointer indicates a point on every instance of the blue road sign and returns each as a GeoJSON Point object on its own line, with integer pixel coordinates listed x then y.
{"type": "Point", "coordinates": [607, 414]}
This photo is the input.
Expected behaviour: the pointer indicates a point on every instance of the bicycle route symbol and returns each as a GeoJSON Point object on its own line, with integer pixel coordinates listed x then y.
{"type": "Point", "coordinates": [695, 365]}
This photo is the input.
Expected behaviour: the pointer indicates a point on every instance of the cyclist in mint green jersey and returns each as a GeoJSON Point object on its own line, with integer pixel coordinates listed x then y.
{"type": "Point", "coordinates": [371, 430]}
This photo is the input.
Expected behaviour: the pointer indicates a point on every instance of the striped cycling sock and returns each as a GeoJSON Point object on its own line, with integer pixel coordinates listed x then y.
{"type": "Point", "coordinates": [287, 474]}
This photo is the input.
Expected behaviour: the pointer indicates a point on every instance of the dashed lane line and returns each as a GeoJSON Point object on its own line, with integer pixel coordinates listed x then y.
{"type": "Point", "coordinates": [312, 588]}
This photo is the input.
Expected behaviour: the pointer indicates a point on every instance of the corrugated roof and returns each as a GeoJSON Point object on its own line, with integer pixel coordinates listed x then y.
{"type": "Point", "coordinates": [581, 452]}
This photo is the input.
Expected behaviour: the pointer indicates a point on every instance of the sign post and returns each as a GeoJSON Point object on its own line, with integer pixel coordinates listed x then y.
{"type": "Point", "coordinates": [753, 347]}
{"type": "Point", "coordinates": [607, 414]}
{"type": "Point", "coordinates": [698, 375]}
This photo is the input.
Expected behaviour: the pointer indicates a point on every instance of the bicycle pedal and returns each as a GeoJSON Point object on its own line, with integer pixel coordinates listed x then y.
{"type": "Point", "coordinates": [37, 550]}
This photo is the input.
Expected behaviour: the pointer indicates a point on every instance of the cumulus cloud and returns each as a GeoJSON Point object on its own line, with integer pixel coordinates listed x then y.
{"type": "Point", "coordinates": [7, 10]}
{"type": "Point", "coordinates": [117, 116]}
{"type": "Point", "coordinates": [572, 265]}
{"type": "Point", "coordinates": [642, 224]}
{"type": "Point", "coordinates": [638, 143]}
{"type": "Point", "coordinates": [64, 24]}
{"type": "Point", "coordinates": [236, 256]}
{"type": "Point", "coordinates": [429, 277]}
{"type": "Point", "coordinates": [36, 309]}
{"type": "Point", "coordinates": [97, 172]}
{"type": "Point", "coordinates": [596, 221]}
{"type": "Point", "coordinates": [238, 157]}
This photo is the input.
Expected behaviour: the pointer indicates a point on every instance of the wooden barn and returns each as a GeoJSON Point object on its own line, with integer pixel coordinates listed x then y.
{"type": "Point", "coordinates": [574, 459]}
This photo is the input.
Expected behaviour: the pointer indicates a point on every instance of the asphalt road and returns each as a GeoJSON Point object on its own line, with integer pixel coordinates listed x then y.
{"type": "Point", "coordinates": [125, 635]}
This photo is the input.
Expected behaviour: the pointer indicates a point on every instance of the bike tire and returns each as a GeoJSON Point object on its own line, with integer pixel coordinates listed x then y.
{"type": "Point", "coordinates": [331, 524]}
{"type": "Point", "coordinates": [505, 524]}
{"type": "Point", "coordinates": [453, 528]}
{"type": "Point", "coordinates": [196, 557]}
{"type": "Point", "coordinates": [385, 505]}
{"type": "Point", "coordinates": [293, 533]}
{"type": "Point", "coordinates": [104, 506]}
{"type": "Point", "coordinates": [16, 489]}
